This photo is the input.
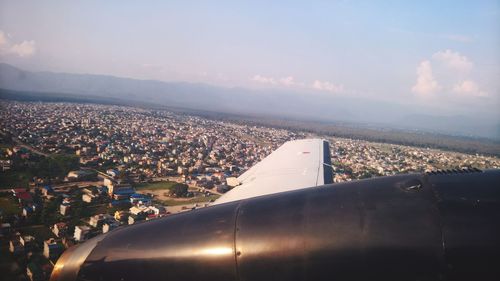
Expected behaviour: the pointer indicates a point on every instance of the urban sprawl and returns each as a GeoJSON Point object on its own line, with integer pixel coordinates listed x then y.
{"type": "Point", "coordinates": [69, 172]}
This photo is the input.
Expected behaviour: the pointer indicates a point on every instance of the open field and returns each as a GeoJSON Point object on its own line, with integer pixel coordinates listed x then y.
{"type": "Point", "coordinates": [162, 185]}
{"type": "Point", "coordinates": [186, 201]}
{"type": "Point", "coordinates": [160, 192]}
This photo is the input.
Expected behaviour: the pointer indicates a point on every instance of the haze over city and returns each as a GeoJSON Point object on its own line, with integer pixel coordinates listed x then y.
{"type": "Point", "coordinates": [420, 65]}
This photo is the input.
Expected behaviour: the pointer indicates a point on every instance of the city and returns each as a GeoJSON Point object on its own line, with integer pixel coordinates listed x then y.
{"type": "Point", "coordinates": [72, 171]}
{"type": "Point", "coordinates": [249, 140]}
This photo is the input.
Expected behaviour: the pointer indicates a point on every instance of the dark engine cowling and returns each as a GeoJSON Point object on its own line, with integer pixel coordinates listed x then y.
{"type": "Point", "coordinates": [409, 227]}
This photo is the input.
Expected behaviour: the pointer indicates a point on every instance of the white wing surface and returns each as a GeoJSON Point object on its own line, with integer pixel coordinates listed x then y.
{"type": "Point", "coordinates": [294, 165]}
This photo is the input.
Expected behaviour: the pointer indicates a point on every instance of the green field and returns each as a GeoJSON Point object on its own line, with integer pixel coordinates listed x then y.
{"type": "Point", "coordinates": [155, 185]}
{"type": "Point", "coordinates": [9, 206]}
{"type": "Point", "coordinates": [174, 202]}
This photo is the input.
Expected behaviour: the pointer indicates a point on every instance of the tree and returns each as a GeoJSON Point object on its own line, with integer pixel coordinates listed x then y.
{"type": "Point", "coordinates": [179, 190]}
{"type": "Point", "coordinates": [50, 212]}
{"type": "Point", "coordinates": [57, 166]}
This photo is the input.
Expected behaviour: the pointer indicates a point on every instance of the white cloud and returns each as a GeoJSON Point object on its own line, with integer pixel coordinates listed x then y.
{"type": "Point", "coordinates": [284, 81]}
{"type": "Point", "coordinates": [327, 86]}
{"type": "Point", "coordinates": [454, 60]}
{"type": "Point", "coordinates": [287, 81]}
{"type": "Point", "coordinates": [426, 83]}
{"type": "Point", "coordinates": [469, 87]}
{"type": "Point", "coordinates": [23, 49]}
{"type": "Point", "coordinates": [458, 80]}
{"type": "Point", "coordinates": [264, 80]}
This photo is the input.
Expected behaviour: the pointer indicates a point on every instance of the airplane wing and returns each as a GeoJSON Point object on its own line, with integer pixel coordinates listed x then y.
{"type": "Point", "coordinates": [294, 165]}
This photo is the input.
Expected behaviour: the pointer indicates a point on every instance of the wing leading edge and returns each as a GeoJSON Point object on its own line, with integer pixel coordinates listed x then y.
{"type": "Point", "coordinates": [294, 165]}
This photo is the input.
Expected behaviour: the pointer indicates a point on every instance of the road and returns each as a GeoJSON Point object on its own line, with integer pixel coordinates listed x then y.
{"type": "Point", "coordinates": [28, 147]}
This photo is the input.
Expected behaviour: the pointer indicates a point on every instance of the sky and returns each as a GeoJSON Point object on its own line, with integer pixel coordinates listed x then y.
{"type": "Point", "coordinates": [443, 56]}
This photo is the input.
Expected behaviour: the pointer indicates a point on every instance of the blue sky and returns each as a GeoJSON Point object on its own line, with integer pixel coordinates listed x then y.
{"type": "Point", "coordinates": [443, 55]}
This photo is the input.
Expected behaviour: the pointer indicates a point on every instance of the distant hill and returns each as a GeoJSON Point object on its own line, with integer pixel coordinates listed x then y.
{"type": "Point", "coordinates": [179, 94]}
{"type": "Point", "coordinates": [309, 106]}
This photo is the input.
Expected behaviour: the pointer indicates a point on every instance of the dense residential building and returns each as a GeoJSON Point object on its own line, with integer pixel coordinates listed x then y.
{"type": "Point", "coordinates": [52, 249]}
{"type": "Point", "coordinates": [119, 150]}
{"type": "Point", "coordinates": [108, 226]}
{"type": "Point", "coordinates": [15, 247]}
{"type": "Point", "coordinates": [81, 232]}
{"type": "Point", "coordinates": [60, 229]}
{"type": "Point", "coordinates": [64, 208]}
{"type": "Point", "coordinates": [98, 220]}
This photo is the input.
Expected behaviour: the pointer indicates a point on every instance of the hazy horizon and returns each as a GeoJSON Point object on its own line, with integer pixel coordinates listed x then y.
{"type": "Point", "coordinates": [377, 61]}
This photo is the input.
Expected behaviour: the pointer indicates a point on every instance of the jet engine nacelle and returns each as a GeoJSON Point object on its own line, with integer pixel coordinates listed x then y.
{"type": "Point", "coordinates": [442, 226]}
